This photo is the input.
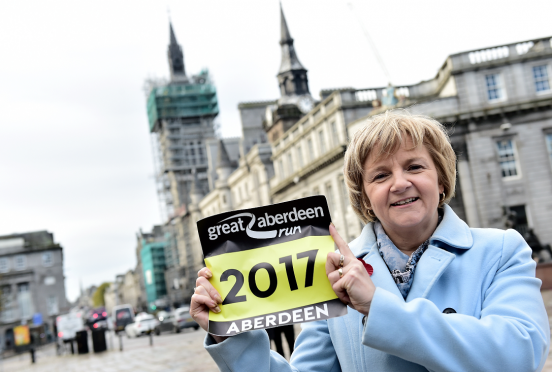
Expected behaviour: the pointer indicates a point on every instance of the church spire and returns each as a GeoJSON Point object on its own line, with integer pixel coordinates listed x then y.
{"type": "Point", "coordinates": [292, 76]}
{"type": "Point", "coordinates": [285, 36]}
{"type": "Point", "coordinates": [175, 55]}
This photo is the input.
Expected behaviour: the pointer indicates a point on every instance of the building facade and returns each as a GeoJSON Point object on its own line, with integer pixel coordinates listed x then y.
{"type": "Point", "coordinates": [181, 115]}
{"type": "Point", "coordinates": [496, 103]}
{"type": "Point", "coordinates": [31, 281]}
{"type": "Point", "coordinates": [152, 254]}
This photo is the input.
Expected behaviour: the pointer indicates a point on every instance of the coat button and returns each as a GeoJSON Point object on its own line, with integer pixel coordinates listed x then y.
{"type": "Point", "coordinates": [449, 310]}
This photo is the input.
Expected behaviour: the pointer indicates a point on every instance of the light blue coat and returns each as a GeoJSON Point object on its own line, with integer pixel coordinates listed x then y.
{"type": "Point", "coordinates": [486, 275]}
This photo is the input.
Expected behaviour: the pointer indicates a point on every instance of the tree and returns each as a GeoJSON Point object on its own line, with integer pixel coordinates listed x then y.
{"type": "Point", "coordinates": [98, 296]}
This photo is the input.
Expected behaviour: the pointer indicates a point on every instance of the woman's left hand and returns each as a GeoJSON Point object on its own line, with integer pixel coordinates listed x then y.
{"type": "Point", "coordinates": [354, 288]}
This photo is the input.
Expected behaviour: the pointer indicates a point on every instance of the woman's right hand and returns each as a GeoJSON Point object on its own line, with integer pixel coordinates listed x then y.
{"type": "Point", "coordinates": [205, 298]}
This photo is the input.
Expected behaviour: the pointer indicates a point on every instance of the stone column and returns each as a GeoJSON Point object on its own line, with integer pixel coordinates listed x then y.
{"type": "Point", "coordinates": [468, 194]}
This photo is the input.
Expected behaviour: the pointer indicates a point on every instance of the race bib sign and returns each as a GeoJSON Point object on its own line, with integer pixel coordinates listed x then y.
{"type": "Point", "coordinates": [268, 265]}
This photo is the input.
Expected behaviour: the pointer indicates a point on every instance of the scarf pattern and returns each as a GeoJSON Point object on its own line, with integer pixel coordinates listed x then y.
{"type": "Point", "coordinates": [400, 265]}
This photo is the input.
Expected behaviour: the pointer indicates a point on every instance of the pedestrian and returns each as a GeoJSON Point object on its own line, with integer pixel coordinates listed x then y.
{"type": "Point", "coordinates": [275, 334]}
{"type": "Point", "coordinates": [469, 300]}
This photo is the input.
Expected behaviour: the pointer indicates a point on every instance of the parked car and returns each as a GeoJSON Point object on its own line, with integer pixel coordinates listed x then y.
{"type": "Point", "coordinates": [165, 323]}
{"type": "Point", "coordinates": [97, 318]}
{"type": "Point", "coordinates": [143, 323]}
{"type": "Point", "coordinates": [183, 319]}
{"type": "Point", "coordinates": [123, 315]}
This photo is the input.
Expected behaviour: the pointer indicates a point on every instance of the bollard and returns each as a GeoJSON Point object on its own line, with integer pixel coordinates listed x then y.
{"type": "Point", "coordinates": [33, 355]}
{"type": "Point", "coordinates": [72, 347]}
{"type": "Point", "coordinates": [120, 342]}
{"type": "Point", "coordinates": [151, 337]}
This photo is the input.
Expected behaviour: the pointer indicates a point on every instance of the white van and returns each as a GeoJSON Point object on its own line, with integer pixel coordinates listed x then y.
{"type": "Point", "coordinates": [69, 324]}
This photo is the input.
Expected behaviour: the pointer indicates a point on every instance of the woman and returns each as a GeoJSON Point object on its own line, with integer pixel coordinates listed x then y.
{"type": "Point", "coordinates": [442, 297]}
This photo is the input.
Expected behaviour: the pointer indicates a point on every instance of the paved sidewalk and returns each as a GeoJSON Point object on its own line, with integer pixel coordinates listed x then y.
{"type": "Point", "coordinates": [182, 352]}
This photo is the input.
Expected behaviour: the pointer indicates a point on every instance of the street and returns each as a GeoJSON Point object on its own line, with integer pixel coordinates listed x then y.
{"type": "Point", "coordinates": [182, 352]}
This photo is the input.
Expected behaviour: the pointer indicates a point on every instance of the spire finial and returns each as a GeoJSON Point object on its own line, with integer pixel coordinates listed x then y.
{"type": "Point", "coordinates": [172, 35]}
{"type": "Point", "coordinates": [285, 36]}
{"type": "Point", "coordinates": [175, 55]}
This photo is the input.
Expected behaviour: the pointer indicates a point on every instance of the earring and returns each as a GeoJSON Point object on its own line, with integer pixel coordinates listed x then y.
{"type": "Point", "coordinates": [442, 197]}
{"type": "Point", "coordinates": [371, 214]}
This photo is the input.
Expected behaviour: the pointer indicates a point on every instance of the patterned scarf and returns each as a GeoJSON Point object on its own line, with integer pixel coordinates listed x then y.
{"type": "Point", "coordinates": [400, 265]}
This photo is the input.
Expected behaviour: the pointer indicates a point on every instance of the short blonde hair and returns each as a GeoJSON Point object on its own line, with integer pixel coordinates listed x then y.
{"type": "Point", "coordinates": [386, 132]}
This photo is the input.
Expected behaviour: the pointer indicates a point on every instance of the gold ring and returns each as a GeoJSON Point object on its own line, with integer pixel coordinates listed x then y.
{"type": "Point", "coordinates": [340, 271]}
{"type": "Point", "coordinates": [341, 260]}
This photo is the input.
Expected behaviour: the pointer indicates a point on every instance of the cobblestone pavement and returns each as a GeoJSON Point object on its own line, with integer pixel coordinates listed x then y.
{"type": "Point", "coordinates": [182, 352]}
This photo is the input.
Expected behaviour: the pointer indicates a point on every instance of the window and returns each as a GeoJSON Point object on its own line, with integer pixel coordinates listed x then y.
{"type": "Point", "coordinates": [299, 157]}
{"type": "Point", "coordinates": [344, 193]}
{"type": "Point", "coordinates": [20, 262]}
{"type": "Point", "coordinates": [50, 280]}
{"type": "Point", "coordinates": [47, 259]}
{"type": "Point", "coordinates": [540, 74]}
{"type": "Point", "coordinates": [290, 163]}
{"type": "Point", "coordinates": [322, 142]}
{"type": "Point", "coordinates": [281, 169]}
{"type": "Point", "coordinates": [7, 314]}
{"type": "Point", "coordinates": [4, 265]}
{"type": "Point", "coordinates": [329, 196]}
{"type": "Point", "coordinates": [52, 305]}
{"type": "Point", "coordinates": [548, 139]}
{"type": "Point", "coordinates": [24, 300]}
{"type": "Point", "coordinates": [335, 135]}
{"type": "Point", "coordinates": [311, 149]}
{"type": "Point", "coordinates": [495, 91]}
{"type": "Point", "coordinates": [507, 158]}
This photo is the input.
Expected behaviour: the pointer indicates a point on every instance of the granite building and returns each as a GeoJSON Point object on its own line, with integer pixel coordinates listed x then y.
{"type": "Point", "coordinates": [497, 105]}
{"type": "Point", "coordinates": [32, 283]}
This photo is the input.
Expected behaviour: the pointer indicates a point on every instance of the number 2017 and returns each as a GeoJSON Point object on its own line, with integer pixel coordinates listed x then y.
{"type": "Point", "coordinates": [232, 297]}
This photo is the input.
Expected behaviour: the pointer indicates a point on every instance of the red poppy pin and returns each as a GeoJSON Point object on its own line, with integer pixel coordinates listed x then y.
{"type": "Point", "coordinates": [368, 267]}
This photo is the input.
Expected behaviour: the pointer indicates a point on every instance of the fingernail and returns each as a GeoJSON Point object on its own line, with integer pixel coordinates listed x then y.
{"type": "Point", "coordinates": [331, 223]}
{"type": "Point", "coordinates": [216, 309]}
{"type": "Point", "coordinates": [218, 299]}
{"type": "Point", "coordinates": [208, 274]}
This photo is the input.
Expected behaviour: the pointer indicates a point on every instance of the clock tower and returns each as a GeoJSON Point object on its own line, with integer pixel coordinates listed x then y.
{"type": "Point", "coordinates": [295, 98]}
{"type": "Point", "coordinates": [292, 76]}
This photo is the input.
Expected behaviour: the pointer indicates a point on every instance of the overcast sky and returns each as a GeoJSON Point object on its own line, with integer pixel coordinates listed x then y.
{"type": "Point", "coordinates": [75, 154]}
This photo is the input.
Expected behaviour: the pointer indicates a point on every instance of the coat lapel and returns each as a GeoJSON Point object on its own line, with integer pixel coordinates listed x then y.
{"type": "Point", "coordinates": [429, 269]}
{"type": "Point", "coordinates": [381, 277]}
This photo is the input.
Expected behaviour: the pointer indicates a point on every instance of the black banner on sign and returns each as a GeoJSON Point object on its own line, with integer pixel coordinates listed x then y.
{"type": "Point", "coordinates": [268, 265]}
{"type": "Point", "coordinates": [258, 227]}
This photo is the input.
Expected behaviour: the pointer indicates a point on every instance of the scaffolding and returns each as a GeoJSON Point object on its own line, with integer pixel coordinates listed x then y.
{"type": "Point", "coordinates": [178, 103]}
{"type": "Point", "coordinates": [193, 97]}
